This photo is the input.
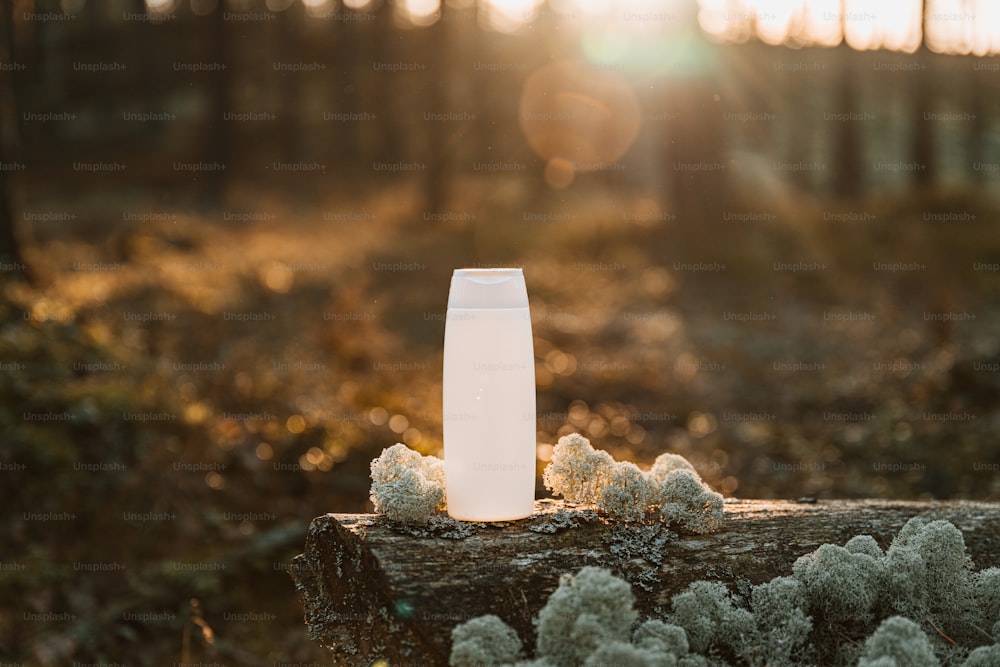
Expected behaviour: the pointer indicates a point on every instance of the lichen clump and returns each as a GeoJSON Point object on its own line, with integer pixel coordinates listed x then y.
{"type": "Point", "coordinates": [407, 486]}
{"type": "Point", "coordinates": [837, 592]}
{"type": "Point", "coordinates": [927, 572]}
{"type": "Point", "coordinates": [843, 586]}
{"type": "Point", "coordinates": [485, 640]}
{"type": "Point", "coordinates": [898, 641]}
{"type": "Point", "coordinates": [586, 621]}
{"type": "Point", "coordinates": [780, 611]}
{"type": "Point", "coordinates": [580, 473]}
{"type": "Point", "coordinates": [588, 610]}
{"type": "Point", "coordinates": [712, 621]}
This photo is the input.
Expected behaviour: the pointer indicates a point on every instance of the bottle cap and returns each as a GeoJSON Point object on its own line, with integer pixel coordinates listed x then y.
{"type": "Point", "coordinates": [488, 288]}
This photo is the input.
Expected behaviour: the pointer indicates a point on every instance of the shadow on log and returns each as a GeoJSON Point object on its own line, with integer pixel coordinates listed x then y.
{"type": "Point", "coordinates": [371, 589]}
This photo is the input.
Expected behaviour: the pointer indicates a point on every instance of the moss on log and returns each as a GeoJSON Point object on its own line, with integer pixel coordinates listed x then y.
{"type": "Point", "coordinates": [374, 590]}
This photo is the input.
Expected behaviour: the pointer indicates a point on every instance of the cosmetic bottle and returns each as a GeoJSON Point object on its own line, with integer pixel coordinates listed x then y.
{"type": "Point", "coordinates": [489, 397]}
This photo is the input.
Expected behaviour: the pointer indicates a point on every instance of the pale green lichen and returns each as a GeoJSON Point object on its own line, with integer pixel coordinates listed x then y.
{"type": "Point", "coordinates": [666, 463]}
{"type": "Point", "coordinates": [551, 523]}
{"type": "Point", "coordinates": [849, 588]}
{"type": "Point", "coordinates": [925, 574]}
{"type": "Point", "coordinates": [898, 642]}
{"type": "Point", "coordinates": [580, 473]}
{"type": "Point", "coordinates": [587, 620]}
{"type": "Point", "coordinates": [577, 471]}
{"type": "Point", "coordinates": [667, 644]}
{"type": "Point", "coordinates": [864, 544]}
{"type": "Point", "coordinates": [623, 654]}
{"type": "Point", "coordinates": [484, 641]}
{"type": "Point", "coordinates": [928, 573]}
{"type": "Point", "coordinates": [986, 592]}
{"type": "Point", "coordinates": [685, 500]}
{"type": "Point", "coordinates": [586, 611]}
{"type": "Point", "coordinates": [841, 586]}
{"type": "Point", "coordinates": [712, 622]}
{"type": "Point", "coordinates": [406, 486]}
{"type": "Point", "coordinates": [984, 656]}
{"type": "Point", "coordinates": [628, 494]}
{"type": "Point", "coordinates": [779, 610]}
{"type": "Point", "coordinates": [646, 541]}
{"type": "Point", "coordinates": [657, 635]}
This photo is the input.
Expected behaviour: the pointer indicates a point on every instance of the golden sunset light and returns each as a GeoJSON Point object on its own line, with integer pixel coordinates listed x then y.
{"type": "Point", "coordinates": [376, 333]}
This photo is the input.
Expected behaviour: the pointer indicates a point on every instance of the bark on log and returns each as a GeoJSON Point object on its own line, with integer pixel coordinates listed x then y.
{"type": "Point", "coordinates": [373, 590]}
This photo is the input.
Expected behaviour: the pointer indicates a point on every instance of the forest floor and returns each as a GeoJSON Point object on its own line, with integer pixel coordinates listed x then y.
{"type": "Point", "coordinates": [190, 390]}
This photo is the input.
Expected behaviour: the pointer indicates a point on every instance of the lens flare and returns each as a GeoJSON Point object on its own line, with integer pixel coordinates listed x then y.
{"type": "Point", "coordinates": [578, 118]}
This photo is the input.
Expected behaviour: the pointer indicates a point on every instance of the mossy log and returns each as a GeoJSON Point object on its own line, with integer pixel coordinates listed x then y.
{"type": "Point", "coordinates": [374, 590]}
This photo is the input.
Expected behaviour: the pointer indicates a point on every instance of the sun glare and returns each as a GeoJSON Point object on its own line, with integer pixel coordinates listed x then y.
{"type": "Point", "coordinates": [895, 26]}
{"type": "Point", "coordinates": [160, 6]}
{"type": "Point", "coordinates": [319, 8]}
{"type": "Point", "coordinates": [952, 26]}
{"type": "Point", "coordinates": [508, 16]}
{"type": "Point", "coordinates": [969, 26]}
{"type": "Point", "coordinates": [418, 13]}
{"type": "Point", "coordinates": [358, 5]}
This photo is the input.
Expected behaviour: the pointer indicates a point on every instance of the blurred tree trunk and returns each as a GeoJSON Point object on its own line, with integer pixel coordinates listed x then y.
{"type": "Point", "coordinates": [342, 92]}
{"type": "Point", "coordinates": [440, 142]}
{"type": "Point", "coordinates": [386, 84]}
{"type": "Point", "coordinates": [696, 151]}
{"type": "Point", "coordinates": [218, 139]}
{"type": "Point", "coordinates": [923, 130]}
{"type": "Point", "coordinates": [848, 136]}
{"type": "Point", "coordinates": [10, 248]}
{"type": "Point", "coordinates": [290, 40]}
{"type": "Point", "coordinates": [978, 136]}
{"type": "Point", "coordinates": [697, 154]}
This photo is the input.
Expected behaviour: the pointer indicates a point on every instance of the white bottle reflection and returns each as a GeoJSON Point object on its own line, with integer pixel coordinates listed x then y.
{"type": "Point", "coordinates": [489, 397]}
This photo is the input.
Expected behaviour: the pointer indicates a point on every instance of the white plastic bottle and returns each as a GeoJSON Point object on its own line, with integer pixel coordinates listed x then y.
{"type": "Point", "coordinates": [489, 397]}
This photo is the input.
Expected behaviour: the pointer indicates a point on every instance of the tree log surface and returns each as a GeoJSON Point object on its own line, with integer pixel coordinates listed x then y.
{"type": "Point", "coordinates": [373, 590]}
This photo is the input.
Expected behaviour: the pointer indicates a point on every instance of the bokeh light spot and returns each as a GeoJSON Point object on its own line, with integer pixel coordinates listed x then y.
{"type": "Point", "coordinates": [417, 13]}
{"type": "Point", "coordinates": [507, 16]}
{"type": "Point", "coordinates": [578, 413]}
{"type": "Point", "coordinates": [378, 416]}
{"type": "Point", "coordinates": [701, 424]}
{"type": "Point", "coordinates": [636, 434]}
{"type": "Point", "coordinates": [215, 481]}
{"type": "Point", "coordinates": [597, 427]}
{"type": "Point", "coordinates": [277, 277]}
{"type": "Point", "coordinates": [264, 451]}
{"type": "Point", "coordinates": [315, 456]}
{"type": "Point", "coordinates": [560, 362]}
{"type": "Point", "coordinates": [398, 423]}
{"type": "Point", "coordinates": [296, 424]}
{"type": "Point", "coordinates": [729, 485]}
{"type": "Point", "coordinates": [196, 413]}
{"type": "Point", "coordinates": [412, 437]}
{"type": "Point", "coordinates": [321, 8]}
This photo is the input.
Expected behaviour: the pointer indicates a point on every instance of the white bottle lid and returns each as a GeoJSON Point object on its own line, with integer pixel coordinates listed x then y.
{"type": "Point", "coordinates": [488, 288]}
